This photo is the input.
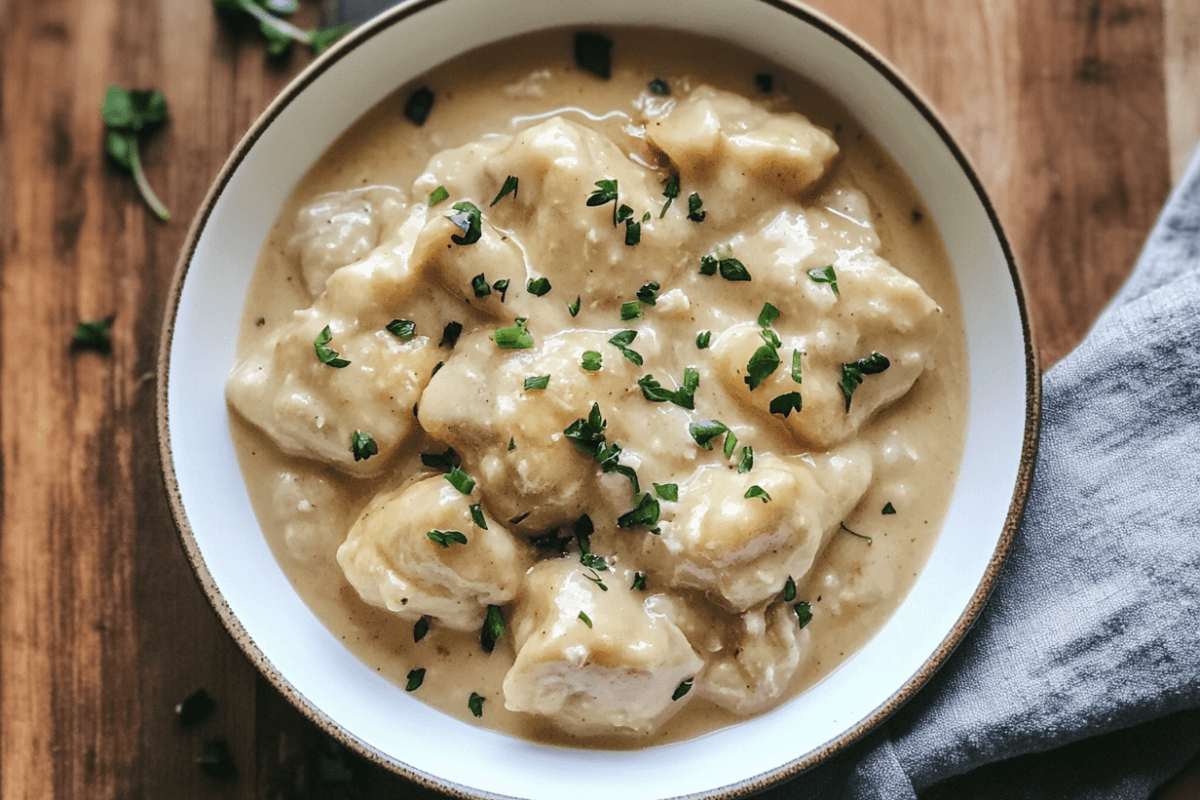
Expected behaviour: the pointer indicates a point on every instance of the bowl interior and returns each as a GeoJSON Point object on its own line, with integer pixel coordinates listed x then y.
{"type": "Point", "coordinates": [294, 649]}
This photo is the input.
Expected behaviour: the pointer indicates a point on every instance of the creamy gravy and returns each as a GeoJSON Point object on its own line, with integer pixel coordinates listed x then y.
{"type": "Point", "coordinates": [914, 446]}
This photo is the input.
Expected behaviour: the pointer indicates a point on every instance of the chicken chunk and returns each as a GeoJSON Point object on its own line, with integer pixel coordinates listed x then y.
{"type": "Point", "coordinates": [341, 228]}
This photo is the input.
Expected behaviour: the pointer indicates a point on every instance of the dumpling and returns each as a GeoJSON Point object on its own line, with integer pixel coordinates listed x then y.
{"type": "Point", "coordinates": [340, 228]}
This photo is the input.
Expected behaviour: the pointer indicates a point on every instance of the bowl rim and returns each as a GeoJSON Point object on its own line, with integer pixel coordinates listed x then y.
{"type": "Point", "coordinates": [1033, 391]}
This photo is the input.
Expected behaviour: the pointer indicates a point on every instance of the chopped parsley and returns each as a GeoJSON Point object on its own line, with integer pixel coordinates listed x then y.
{"type": "Point", "coordinates": [695, 204]}
{"type": "Point", "coordinates": [509, 187]}
{"type": "Point", "coordinates": [633, 232]}
{"type": "Point", "coordinates": [796, 367]}
{"type": "Point", "coordinates": [684, 396]}
{"type": "Point", "coordinates": [624, 213]}
{"type": "Point", "coordinates": [501, 286]}
{"type": "Point", "coordinates": [573, 307]}
{"type": "Point", "coordinates": [402, 329]}
{"type": "Point", "coordinates": [761, 365]}
{"type": "Point", "coordinates": [477, 516]}
{"type": "Point", "coordinates": [446, 538]}
{"type": "Point", "coordinates": [517, 337]}
{"type": "Point", "coordinates": [537, 286]}
{"type": "Point", "coordinates": [444, 461]}
{"type": "Point", "coordinates": [362, 445]}
{"type": "Point", "coordinates": [854, 372]}
{"type": "Point", "coordinates": [607, 193]}
{"type": "Point", "coordinates": [639, 581]}
{"type": "Point", "coordinates": [621, 341]}
{"type": "Point", "coordinates": [670, 191]}
{"type": "Point", "coordinates": [480, 286]}
{"type": "Point", "coordinates": [683, 688]}
{"type": "Point", "coordinates": [648, 294]}
{"type": "Point", "coordinates": [420, 629]}
{"type": "Point", "coordinates": [438, 195]}
{"type": "Point", "coordinates": [803, 613]}
{"type": "Point", "coordinates": [126, 114]}
{"type": "Point", "coordinates": [588, 434]}
{"type": "Point", "coordinates": [325, 354]}
{"type": "Point", "coordinates": [645, 514]}
{"type": "Point", "coordinates": [586, 619]}
{"type": "Point", "coordinates": [703, 339]}
{"type": "Point", "coordinates": [768, 315]}
{"type": "Point", "coordinates": [730, 268]}
{"type": "Point", "coordinates": [731, 442]}
{"type": "Point", "coordinates": [475, 703]}
{"type": "Point", "coordinates": [469, 220]}
{"type": "Point", "coordinates": [867, 539]}
{"type": "Point", "coordinates": [93, 334]}
{"type": "Point", "coordinates": [418, 106]}
{"type": "Point", "coordinates": [593, 53]}
{"type": "Point", "coordinates": [889, 509]}
{"type": "Point", "coordinates": [786, 403]}
{"type": "Point", "coordinates": [630, 310]}
{"type": "Point", "coordinates": [757, 491]}
{"type": "Point", "coordinates": [512, 444]}
{"type": "Point", "coordinates": [537, 382]}
{"type": "Point", "coordinates": [591, 360]}
{"type": "Point", "coordinates": [705, 431]}
{"type": "Point", "coordinates": [667, 491]}
{"type": "Point", "coordinates": [708, 265]}
{"type": "Point", "coordinates": [658, 86]}
{"type": "Point", "coordinates": [415, 679]}
{"type": "Point", "coordinates": [450, 334]}
{"type": "Point", "coordinates": [583, 529]}
{"type": "Point", "coordinates": [493, 628]}
{"type": "Point", "coordinates": [747, 462]}
{"type": "Point", "coordinates": [461, 480]}
{"type": "Point", "coordinates": [789, 590]}
{"type": "Point", "coordinates": [825, 275]}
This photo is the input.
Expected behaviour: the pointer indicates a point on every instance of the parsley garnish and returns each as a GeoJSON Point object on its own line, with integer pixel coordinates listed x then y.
{"type": "Point", "coordinates": [670, 191]}
{"type": "Point", "coordinates": [889, 509]}
{"type": "Point", "coordinates": [512, 444]}
{"type": "Point", "coordinates": [281, 33]}
{"type": "Point", "coordinates": [825, 275]}
{"type": "Point", "coordinates": [517, 337]}
{"type": "Point", "coordinates": [509, 187]}
{"type": "Point", "coordinates": [607, 193]}
{"type": "Point", "coordinates": [757, 491]}
{"type": "Point", "coordinates": [730, 268]}
{"type": "Point", "coordinates": [325, 354]}
{"type": "Point", "coordinates": [362, 445]}
{"type": "Point", "coordinates": [768, 315]}
{"type": "Point", "coordinates": [764, 362]}
{"type": "Point", "coordinates": [658, 86]}
{"type": "Point", "coordinates": [731, 441]}
{"type": "Point", "coordinates": [747, 462]}
{"type": "Point", "coordinates": [501, 286]}
{"type": "Point", "coordinates": [786, 403]}
{"type": "Point", "coordinates": [593, 53]}
{"type": "Point", "coordinates": [853, 373]}
{"type": "Point", "coordinates": [622, 341]}
{"type": "Point", "coordinates": [591, 360]}
{"type": "Point", "coordinates": [704, 431]}
{"type": "Point", "coordinates": [447, 538]}
{"type": "Point", "coordinates": [477, 516]}
{"type": "Point", "coordinates": [480, 286]}
{"type": "Point", "coordinates": [633, 232]}
{"type": "Point", "coordinates": [683, 688]}
{"type": "Point", "coordinates": [537, 382]}
{"type": "Point", "coordinates": [450, 334]}
{"type": "Point", "coordinates": [789, 590]}
{"type": "Point", "coordinates": [648, 294]}
{"type": "Point", "coordinates": [444, 461]}
{"type": "Point", "coordinates": [420, 629]}
{"type": "Point", "coordinates": [639, 581]}
{"type": "Point", "coordinates": [708, 265]}
{"type": "Point", "coordinates": [126, 114]}
{"type": "Point", "coordinates": [624, 213]}
{"type": "Point", "coordinates": [493, 628]}
{"type": "Point", "coordinates": [418, 106]}
{"type": "Point", "coordinates": [402, 329]}
{"type": "Point", "coordinates": [438, 195]}
{"type": "Point", "coordinates": [608, 456]}
{"type": "Point", "coordinates": [684, 396]}
{"type": "Point", "coordinates": [573, 307]}
{"type": "Point", "coordinates": [583, 530]}
{"type": "Point", "coordinates": [796, 367]}
{"type": "Point", "coordinates": [537, 286]}
{"type": "Point", "coordinates": [694, 206]}
{"type": "Point", "coordinates": [93, 334]}
{"type": "Point", "coordinates": [630, 310]}
{"type": "Point", "coordinates": [436, 369]}
{"type": "Point", "coordinates": [468, 220]}
{"type": "Point", "coordinates": [667, 491]}
{"type": "Point", "coordinates": [703, 339]}
{"type": "Point", "coordinates": [475, 703]}
{"type": "Point", "coordinates": [586, 620]}
{"type": "Point", "coordinates": [588, 434]}
{"type": "Point", "coordinates": [415, 679]}
{"type": "Point", "coordinates": [461, 480]}
{"type": "Point", "coordinates": [645, 514]}
{"type": "Point", "coordinates": [803, 613]}
{"type": "Point", "coordinates": [867, 539]}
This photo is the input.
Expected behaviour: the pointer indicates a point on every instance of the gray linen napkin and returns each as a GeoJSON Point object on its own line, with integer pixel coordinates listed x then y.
{"type": "Point", "coordinates": [1081, 678]}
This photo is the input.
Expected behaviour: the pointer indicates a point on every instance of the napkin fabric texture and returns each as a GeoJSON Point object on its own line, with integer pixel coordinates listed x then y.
{"type": "Point", "coordinates": [1081, 678]}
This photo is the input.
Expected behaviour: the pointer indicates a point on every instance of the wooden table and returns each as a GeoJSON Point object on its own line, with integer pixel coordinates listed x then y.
{"type": "Point", "coordinates": [1076, 117]}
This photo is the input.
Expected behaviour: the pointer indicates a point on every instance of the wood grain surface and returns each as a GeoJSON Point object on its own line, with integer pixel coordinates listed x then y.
{"type": "Point", "coordinates": [1062, 105]}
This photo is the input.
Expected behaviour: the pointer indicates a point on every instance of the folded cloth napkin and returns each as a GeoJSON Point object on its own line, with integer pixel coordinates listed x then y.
{"type": "Point", "coordinates": [1081, 678]}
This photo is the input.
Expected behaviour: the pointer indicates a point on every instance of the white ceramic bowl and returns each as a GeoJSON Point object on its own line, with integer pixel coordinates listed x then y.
{"type": "Point", "coordinates": [304, 660]}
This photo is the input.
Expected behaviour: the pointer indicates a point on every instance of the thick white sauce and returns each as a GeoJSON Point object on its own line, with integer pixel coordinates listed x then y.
{"type": "Point", "coordinates": [713, 609]}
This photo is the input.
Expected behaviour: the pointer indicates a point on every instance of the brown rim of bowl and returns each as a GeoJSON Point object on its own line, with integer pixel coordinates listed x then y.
{"type": "Point", "coordinates": [1033, 391]}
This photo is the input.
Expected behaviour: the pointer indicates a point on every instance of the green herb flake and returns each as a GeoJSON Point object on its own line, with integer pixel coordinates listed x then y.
{"type": "Point", "coordinates": [509, 187]}
{"type": "Point", "coordinates": [461, 480]}
{"type": "Point", "coordinates": [493, 628]}
{"type": "Point", "coordinates": [645, 514]}
{"type": "Point", "coordinates": [703, 340]}
{"type": "Point", "coordinates": [785, 404]}
{"type": "Point", "coordinates": [501, 286]}
{"type": "Point", "coordinates": [418, 106]}
{"type": "Point", "coordinates": [767, 316]}
{"type": "Point", "coordinates": [648, 294]}
{"type": "Point", "coordinates": [480, 286]}
{"type": "Point", "coordinates": [761, 365]}
{"type": "Point", "coordinates": [624, 213]}
{"type": "Point", "coordinates": [446, 538]}
{"type": "Point", "coordinates": [537, 286]}
{"type": "Point", "coordinates": [573, 307]}
{"type": "Point", "coordinates": [438, 195]}
{"type": "Point", "coordinates": [731, 441]}
{"type": "Point", "coordinates": [325, 354]}
{"type": "Point", "coordinates": [321, 39]}
{"type": "Point", "coordinates": [477, 516]}
{"type": "Point", "coordinates": [789, 590]}
{"type": "Point", "coordinates": [747, 462]}
{"type": "Point", "coordinates": [586, 619]}
{"type": "Point", "coordinates": [588, 434]}
{"type": "Point", "coordinates": [889, 509]}
{"type": "Point", "coordinates": [633, 232]}
{"type": "Point", "coordinates": [825, 275]}
{"type": "Point", "coordinates": [621, 341]}
{"type": "Point", "coordinates": [475, 703]}
{"type": "Point", "coordinates": [866, 539]}
{"type": "Point", "coordinates": [708, 265]}
{"type": "Point", "coordinates": [537, 382]}
{"type": "Point", "coordinates": [639, 582]}
{"type": "Point", "coordinates": [770, 337]}
{"type": "Point", "coordinates": [630, 310]}
{"type": "Point", "coordinates": [659, 86]}
{"type": "Point", "coordinates": [796, 376]}
{"type": "Point", "coordinates": [362, 445]}
{"type": "Point", "coordinates": [593, 53]}
{"type": "Point", "coordinates": [803, 613]}
{"type": "Point", "coordinates": [512, 444]}
{"type": "Point", "coordinates": [402, 329]}
{"type": "Point", "coordinates": [517, 337]}
{"type": "Point", "coordinates": [667, 491]}
{"type": "Point", "coordinates": [415, 679]}
{"type": "Point", "coordinates": [704, 431]}
{"type": "Point", "coordinates": [126, 114]}
{"type": "Point", "coordinates": [683, 688]}
{"type": "Point", "coordinates": [591, 360]}
{"type": "Point", "coordinates": [420, 629]}
{"type": "Point", "coordinates": [606, 193]}
{"type": "Point", "coordinates": [854, 372]}
{"type": "Point", "coordinates": [733, 270]}
{"type": "Point", "coordinates": [695, 204]}
{"type": "Point", "coordinates": [469, 221]}
{"type": "Point", "coordinates": [757, 491]}
{"type": "Point", "coordinates": [450, 334]}
{"type": "Point", "coordinates": [442, 461]}
{"type": "Point", "coordinates": [94, 335]}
